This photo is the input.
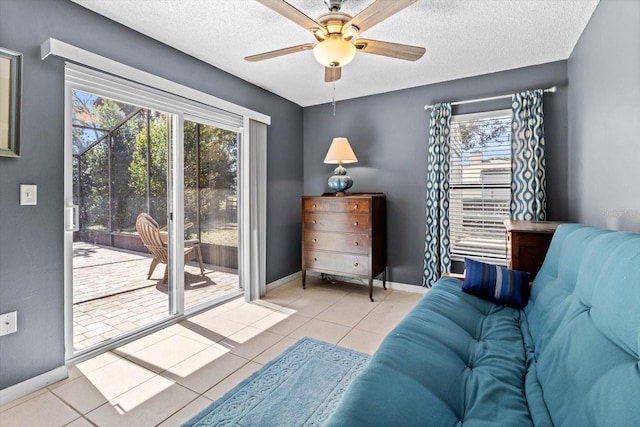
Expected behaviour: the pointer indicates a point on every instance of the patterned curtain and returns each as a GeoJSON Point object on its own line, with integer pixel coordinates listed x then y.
{"type": "Point", "coordinates": [437, 259]}
{"type": "Point", "coordinates": [528, 175]}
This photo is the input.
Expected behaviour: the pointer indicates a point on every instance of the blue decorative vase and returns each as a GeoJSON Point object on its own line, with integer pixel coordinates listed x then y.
{"type": "Point", "coordinates": [340, 181]}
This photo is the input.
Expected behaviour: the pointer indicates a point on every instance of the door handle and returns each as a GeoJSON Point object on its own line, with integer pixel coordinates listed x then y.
{"type": "Point", "coordinates": [72, 218]}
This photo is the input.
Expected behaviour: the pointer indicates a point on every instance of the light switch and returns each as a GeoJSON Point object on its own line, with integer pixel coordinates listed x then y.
{"type": "Point", "coordinates": [8, 323]}
{"type": "Point", "coordinates": [28, 194]}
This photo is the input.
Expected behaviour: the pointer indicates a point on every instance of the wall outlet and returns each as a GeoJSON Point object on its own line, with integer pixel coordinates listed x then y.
{"type": "Point", "coordinates": [8, 323]}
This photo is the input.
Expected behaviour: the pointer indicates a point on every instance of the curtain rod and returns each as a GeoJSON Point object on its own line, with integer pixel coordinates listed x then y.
{"type": "Point", "coordinates": [552, 89]}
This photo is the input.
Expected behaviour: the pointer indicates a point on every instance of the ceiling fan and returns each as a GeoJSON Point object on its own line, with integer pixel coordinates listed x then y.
{"type": "Point", "coordinates": [335, 31]}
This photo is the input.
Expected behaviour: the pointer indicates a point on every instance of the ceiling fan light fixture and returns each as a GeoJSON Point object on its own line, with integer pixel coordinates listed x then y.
{"type": "Point", "coordinates": [319, 33]}
{"type": "Point", "coordinates": [334, 52]}
{"type": "Point", "coordinates": [349, 32]}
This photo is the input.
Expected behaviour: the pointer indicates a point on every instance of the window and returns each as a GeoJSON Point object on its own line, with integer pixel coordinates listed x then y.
{"type": "Point", "coordinates": [480, 185]}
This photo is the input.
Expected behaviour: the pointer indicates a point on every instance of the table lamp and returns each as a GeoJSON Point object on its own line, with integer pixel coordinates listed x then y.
{"type": "Point", "coordinates": [340, 152]}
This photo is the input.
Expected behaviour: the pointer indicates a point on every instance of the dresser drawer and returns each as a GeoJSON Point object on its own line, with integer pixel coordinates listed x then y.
{"type": "Point", "coordinates": [342, 263]}
{"type": "Point", "coordinates": [339, 242]}
{"type": "Point", "coordinates": [336, 204]}
{"type": "Point", "coordinates": [323, 221]}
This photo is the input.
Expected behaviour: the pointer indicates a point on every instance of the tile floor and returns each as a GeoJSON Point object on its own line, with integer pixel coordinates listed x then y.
{"type": "Point", "coordinates": [167, 377]}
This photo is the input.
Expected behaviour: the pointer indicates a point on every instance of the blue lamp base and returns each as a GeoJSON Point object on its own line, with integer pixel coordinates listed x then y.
{"type": "Point", "coordinates": [340, 181]}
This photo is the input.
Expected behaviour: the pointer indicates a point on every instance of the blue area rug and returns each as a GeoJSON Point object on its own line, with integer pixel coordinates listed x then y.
{"type": "Point", "coordinates": [301, 387]}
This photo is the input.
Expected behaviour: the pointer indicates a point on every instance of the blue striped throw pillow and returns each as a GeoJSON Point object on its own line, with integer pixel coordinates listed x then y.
{"type": "Point", "coordinates": [496, 283]}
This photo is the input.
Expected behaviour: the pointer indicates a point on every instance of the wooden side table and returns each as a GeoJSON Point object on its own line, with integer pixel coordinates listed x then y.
{"type": "Point", "coordinates": [527, 243]}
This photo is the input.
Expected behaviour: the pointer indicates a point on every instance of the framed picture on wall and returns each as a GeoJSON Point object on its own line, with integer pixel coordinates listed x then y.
{"type": "Point", "coordinates": [10, 93]}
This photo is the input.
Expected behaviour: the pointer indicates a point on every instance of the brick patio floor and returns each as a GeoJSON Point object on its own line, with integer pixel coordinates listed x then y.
{"type": "Point", "coordinates": [112, 295]}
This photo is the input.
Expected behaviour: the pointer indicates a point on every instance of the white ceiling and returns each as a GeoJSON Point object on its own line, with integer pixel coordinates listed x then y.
{"type": "Point", "coordinates": [462, 37]}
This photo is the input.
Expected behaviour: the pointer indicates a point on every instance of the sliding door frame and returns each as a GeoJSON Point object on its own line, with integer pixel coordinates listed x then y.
{"type": "Point", "coordinates": [242, 189]}
{"type": "Point", "coordinates": [251, 186]}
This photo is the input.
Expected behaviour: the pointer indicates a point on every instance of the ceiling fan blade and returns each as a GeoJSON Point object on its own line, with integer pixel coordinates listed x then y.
{"type": "Point", "coordinates": [377, 12]}
{"type": "Point", "coordinates": [392, 50]}
{"type": "Point", "coordinates": [331, 74]}
{"type": "Point", "coordinates": [279, 52]}
{"type": "Point", "coordinates": [291, 13]}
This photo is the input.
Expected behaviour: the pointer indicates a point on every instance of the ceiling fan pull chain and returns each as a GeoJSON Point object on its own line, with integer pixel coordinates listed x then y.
{"type": "Point", "coordinates": [333, 99]}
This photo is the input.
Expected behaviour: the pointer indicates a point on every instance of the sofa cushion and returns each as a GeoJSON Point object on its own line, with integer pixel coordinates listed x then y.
{"type": "Point", "coordinates": [556, 280]}
{"type": "Point", "coordinates": [496, 283]}
{"type": "Point", "coordinates": [584, 318]}
{"type": "Point", "coordinates": [453, 359]}
{"type": "Point", "coordinates": [532, 387]}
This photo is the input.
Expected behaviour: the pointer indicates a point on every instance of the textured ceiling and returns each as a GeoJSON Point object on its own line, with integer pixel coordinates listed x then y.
{"type": "Point", "coordinates": [462, 37]}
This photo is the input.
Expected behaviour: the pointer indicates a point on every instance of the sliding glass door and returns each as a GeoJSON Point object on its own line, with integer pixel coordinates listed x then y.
{"type": "Point", "coordinates": [211, 208]}
{"type": "Point", "coordinates": [120, 158]}
{"type": "Point", "coordinates": [153, 202]}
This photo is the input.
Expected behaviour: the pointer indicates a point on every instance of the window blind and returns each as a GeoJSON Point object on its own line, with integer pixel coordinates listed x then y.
{"type": "Point", "coordinates": [480, 185]}
{"type": "Point", "coordinates": [99, 83]}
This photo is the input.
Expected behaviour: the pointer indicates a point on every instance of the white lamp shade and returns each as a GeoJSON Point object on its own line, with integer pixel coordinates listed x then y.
{"type": "Point", "coordinates": [334, 52]}
{"type": "Point", "coordinates": [340, 152]}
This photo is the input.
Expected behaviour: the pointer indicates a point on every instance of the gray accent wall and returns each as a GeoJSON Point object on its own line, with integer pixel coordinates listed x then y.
{"type": "Point", "coordinates": [604, 119]}
{"type": "Point", "coordinates": [389, 135]}
{"type": "Point", "coordinates": [31, 246]}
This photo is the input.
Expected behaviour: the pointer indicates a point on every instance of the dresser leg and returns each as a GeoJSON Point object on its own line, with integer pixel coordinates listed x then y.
{"type": "Point", "coordinates": [304, 279]}
{"type": "Point", "coordinates": [371, 288]}
{"type": "Point", "coordinates": [384, 279]}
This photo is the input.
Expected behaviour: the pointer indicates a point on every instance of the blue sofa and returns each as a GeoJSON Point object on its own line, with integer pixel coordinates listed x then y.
{"type": "Point", "coordinates": [571, 357]}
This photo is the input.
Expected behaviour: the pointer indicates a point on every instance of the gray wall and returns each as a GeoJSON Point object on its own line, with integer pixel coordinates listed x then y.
{"type": "Point", "coordinates": [31, 249]}
{"type": "Point", "coordinates": [604, 119]}
{"type": "Point", "coordinates": [389, 134]}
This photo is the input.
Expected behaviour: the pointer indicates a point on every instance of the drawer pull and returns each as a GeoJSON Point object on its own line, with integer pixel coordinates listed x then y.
{"type": "Point", "coordinates": [315, 259]}
{"type": "Point", "coordinates": [356, 243]}
{"type": "Point", "coordinates": [315, 206]}
{"type": "Point", "coordinates": [314, 221]}
{"type": "Point", "coordinates": [356, 206]}
{"type": "Point", "coordinates": [355, 265]}
{"type": "Point", "coordinates": [315, 240]}
{"type": "Point", "coordinates": [355, 223]}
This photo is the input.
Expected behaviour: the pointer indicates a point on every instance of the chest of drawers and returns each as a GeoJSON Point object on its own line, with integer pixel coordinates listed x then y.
{"type": "Point", "coordinates": [345, 236]}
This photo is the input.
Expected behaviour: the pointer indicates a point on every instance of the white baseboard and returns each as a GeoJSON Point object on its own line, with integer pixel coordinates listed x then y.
{"type": "Point", "coordinates": [376, 283]}
{"type": "Point", "coordinates": [24, 388]}
{"type": "Point", "coordinates": [284, 280]}
{"type": "Point", "coordinates": [417, 289]}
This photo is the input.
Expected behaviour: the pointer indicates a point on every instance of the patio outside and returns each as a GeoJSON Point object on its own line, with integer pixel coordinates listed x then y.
{"type": "Point", "coordinates": [112, 294]}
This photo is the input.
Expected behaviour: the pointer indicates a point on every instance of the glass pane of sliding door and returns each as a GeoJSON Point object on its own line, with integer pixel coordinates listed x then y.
{"type": "Point", "coordinates": [210, 211]}
{"type": "Point", "coordinates": [120, 187]}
